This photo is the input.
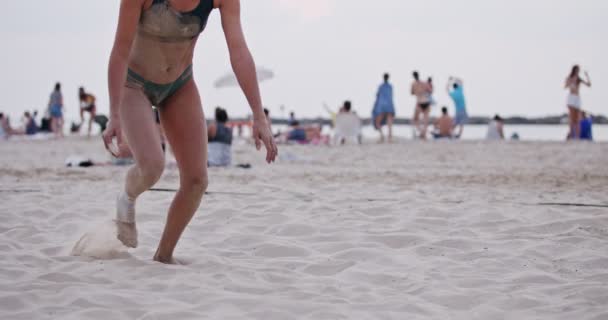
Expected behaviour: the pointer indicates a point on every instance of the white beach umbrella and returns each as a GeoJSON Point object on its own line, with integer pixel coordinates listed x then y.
{"type": "Point", "coordinates": [229, 80]}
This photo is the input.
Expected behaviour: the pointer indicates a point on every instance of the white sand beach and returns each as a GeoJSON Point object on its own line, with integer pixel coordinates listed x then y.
{"type": "Point", "coordinates": [410, 230]}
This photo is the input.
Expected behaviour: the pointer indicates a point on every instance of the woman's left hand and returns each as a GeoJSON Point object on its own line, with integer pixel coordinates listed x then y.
{"type": "Point", "coordinates": [262, 134]}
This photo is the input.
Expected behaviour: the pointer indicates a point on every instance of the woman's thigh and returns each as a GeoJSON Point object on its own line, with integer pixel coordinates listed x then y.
{"type": "Point", "coordinates": [139, 128]}
{"type": "Point", "coordinates": [184, 124]}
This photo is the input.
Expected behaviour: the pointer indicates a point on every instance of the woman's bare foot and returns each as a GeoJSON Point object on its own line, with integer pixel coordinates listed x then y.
{"type": "Point", "coordinates": [170, 260]}
{"type": "Point", "coordinates": [125, 220]}
{"type": "Point", "coordinates": [126, 233]}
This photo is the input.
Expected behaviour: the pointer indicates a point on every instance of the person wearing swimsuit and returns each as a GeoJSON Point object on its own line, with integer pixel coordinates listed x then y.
{"type": "Point", "coordinates": [422, 91]}
{"type": "Point", "coordinates": [87, 104]}
{"type": "Point", "coordinates": [573, 84]}
{"type": "Point", "coordinates": [151, 65]}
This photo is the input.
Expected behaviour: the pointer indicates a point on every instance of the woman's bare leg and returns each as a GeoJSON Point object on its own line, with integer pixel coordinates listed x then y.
{"type": "Point", "coordinates": [575, 130]}
{"type": "Point", "coordinates": [425, 123]}
{"type": "Point", "coordinates": [92, 114]}
{"type": "Point", "coordinates": [379, 120]}
{"type": "Point", "coordinates": [417, 117]}
{"type": "Point", "coordinates": [54, 126]}
{"type": "Point", "coordinates": [389, 122]}
{"type": "Point", "coordinates": [60, 124]}
{"type": "Point", "coordinates": [184, 124]}
{"type": "Point", "coordinates": [139, 128]}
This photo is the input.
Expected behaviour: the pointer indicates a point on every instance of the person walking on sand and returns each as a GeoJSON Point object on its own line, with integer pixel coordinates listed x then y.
{"type": "Point", "coordinates": [423, 92]}
{"type": "Point", "coordinates": [151, 65]}
{"type": "Point", "coordinates": [87, 104]}
{"type": "Point", "coordinates": [574, 102]}
{"type": "Point", "coordinates": [56, 111]}
{"type": "Point", "coordinates": [384, 108]}
{"type": "Point", "coordinates": [455, 90]}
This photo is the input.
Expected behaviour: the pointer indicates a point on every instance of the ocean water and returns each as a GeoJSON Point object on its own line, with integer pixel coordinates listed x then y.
{"type": "Point", "coordinates": [525, 132]}
{"type": "Point", "coordinates": [478, 132]}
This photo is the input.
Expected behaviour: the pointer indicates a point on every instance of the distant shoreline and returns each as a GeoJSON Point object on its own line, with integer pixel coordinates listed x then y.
{"type": "Point", "coordinates": [473, 120]}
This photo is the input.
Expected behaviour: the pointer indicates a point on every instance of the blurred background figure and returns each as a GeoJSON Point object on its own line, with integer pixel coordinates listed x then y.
{"type": "Point", "coordinates": [219, 137]}
{"type": "Point", "coordinates": [586, 127]}
{"type": "Point", "coordinates": [423, 92]}
{"type": "Point", "coordinates": [443, 125]}
{"type": "Point", "coordinates": [573, 84]}
{"type": "Point", "coordinates": [456, 92]}
{"type": "Point", "coordinates": [384, 109]}
{"type": "Point", "coordinates": [29, 123]}
{"type": "Point", "coordinates": [292, 119]}
{"type": "Point", "coordinates": [495, 129]}
{"type": "Point", "coordinates": [87, 104]}
{"type": "Point", "coordinates": [347, 125]}
{"type": "Point", "coordinates": [56, 111]}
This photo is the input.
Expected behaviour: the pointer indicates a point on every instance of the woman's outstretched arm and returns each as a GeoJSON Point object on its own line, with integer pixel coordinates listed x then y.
{"type": "Point", "coordinates": [130, 11]}
{"type": "Point", "coordinates": [244, 69]}
{"type": "Point", "coordinates": [587, 80]}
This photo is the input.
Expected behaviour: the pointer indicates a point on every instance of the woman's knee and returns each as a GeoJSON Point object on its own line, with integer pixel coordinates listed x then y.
{"type": "Point", "coordinates": [195, 182]}
{"type": "Point", "coordinates": [150, 171]}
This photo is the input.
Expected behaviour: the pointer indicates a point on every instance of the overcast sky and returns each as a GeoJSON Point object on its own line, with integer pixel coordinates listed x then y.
{"type": "Point", "coordinates": [513, 55]}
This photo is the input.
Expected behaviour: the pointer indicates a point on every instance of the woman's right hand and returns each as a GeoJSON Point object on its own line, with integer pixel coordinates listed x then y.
{"type": "Point", "coordinates": [118, 150]}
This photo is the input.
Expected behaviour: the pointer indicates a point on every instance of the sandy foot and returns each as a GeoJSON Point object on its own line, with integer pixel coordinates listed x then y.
{"type": "Point", "coordinates": [126, 233]}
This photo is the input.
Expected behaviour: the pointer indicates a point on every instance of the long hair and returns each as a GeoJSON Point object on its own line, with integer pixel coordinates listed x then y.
{"type": "Point", "coordinates": [574, 72]}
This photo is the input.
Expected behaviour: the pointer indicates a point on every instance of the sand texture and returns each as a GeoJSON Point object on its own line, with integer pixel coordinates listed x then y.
{"type": "Point", "coordinates": [411, 230]}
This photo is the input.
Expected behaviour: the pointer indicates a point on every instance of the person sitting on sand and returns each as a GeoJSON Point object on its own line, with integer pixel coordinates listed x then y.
{"type": "Point", "coordinates": [6, 130]}
{"type": "Point", "coordinates": [87, 104]}
{"type": "Point", "coordinates": [444, 125]}
{"type": "Point", "coordinates": [220, 141]}
{"type": "Point", "coordinates": [292, 119]}
{"type": "Point", "coordinates": [310, 134]}
{"type": "Point", "coordinates": [586, 127]}
{"type": "Point", "coordinates": [31, 127]}
{"type": "Point", "coordinates": [495, 129]}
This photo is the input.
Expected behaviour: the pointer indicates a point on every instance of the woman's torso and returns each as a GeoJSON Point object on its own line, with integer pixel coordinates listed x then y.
{"type": "Point", "coordinates": [87, 101]}
{"type": "Point", "coordinates": [385, 94]}
{"type": "Point", "coordinates": [422, 92]}
{"type": "Point", "coordinates": [165, 38]}
{"type": "Point", "coordinates": [56, 99]}
{"type": "Point", "coordinates": [574, 84]}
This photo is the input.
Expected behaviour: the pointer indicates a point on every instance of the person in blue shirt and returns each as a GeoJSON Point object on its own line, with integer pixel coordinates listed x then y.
{"type": "Point", "coordinates": [384, 108]}
{"type": "Point", "coordinates": [455, 90]}
{"type": "Point", "coordinates": [586, 125]}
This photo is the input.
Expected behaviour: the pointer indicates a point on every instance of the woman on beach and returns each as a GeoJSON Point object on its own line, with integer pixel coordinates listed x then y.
{"type": "Point", "coordinates": [573, 84]}
{"type": "Point", "coordinates": [423, 92]}
{"type": "Point", "coordinates": [56, 110]}
{"type": "Point", "coordinates": [384, 109]}
{"type": "Point", "coordinates": [87, 104]}
{"type": "Point", "coordinates": [151, 65]}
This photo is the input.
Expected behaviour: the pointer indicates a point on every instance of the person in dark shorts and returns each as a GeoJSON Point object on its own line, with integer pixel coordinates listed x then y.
{"type": "Point", "coordinates": [422, 91]}
{"type": "Point", "coordinates": [87, 104]}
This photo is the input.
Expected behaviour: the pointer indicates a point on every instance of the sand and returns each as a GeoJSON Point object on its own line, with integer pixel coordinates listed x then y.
{"type": "Point", "coordinates": [411, 230]}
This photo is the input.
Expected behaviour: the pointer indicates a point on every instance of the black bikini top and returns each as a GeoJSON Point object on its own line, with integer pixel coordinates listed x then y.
{"type": "Point", "coordinates": [169, 25]}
